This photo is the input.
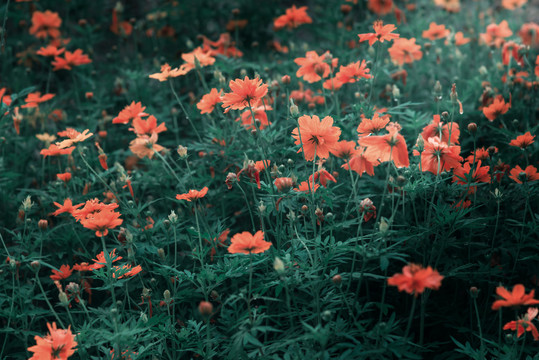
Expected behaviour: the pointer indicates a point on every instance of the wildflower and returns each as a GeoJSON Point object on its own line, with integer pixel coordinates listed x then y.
{"type": "Point", "coordinates": [50, 50]}
{"type": "Point", "coordinates": [460, 39]}
{"type": "Point", "coordinates": [405, 51]}
{"type": "Point", "coordinates": [34, 99]}
{"type": "Point", "coordinates": [70, 59]}
{"type": "Point", "coordinates": [352, 73]}
{"type": "Point", "coordinates": [389, 147]}
{"type": "Point", "coordinates": [64, 272]}
{"type": "Point", "coordinates": [496, 34]}
{"type": "Point", "coordinates": [284, 184]}
{"type": "Point", "coordinates": [448, 5]}
{"type": "Point", "coordinates": [58, 344]}
{"type": "Point", "coordinates": [66, 207]}
{"type": "Point", "coordinates": [17, 119]}
{"type": "Point", "coordinates": [74, 137]}
{"type": "Point", "coordinates": [45, 24]}
{"type": "Point", "coordinates": [145, 146]}
{"type": "Point", "coordinates": [246, 243]}
{"type": "Point", "coordinates": [317, 137]}
{"type": "Point", "coordinates": [65, 177]}
{"type": "Point", "coordinates": [438, 156]}
{"type": "Point", "coordinates": [101, 221]}
{"type": "Point", "coordinates": [442, 131]}
{"type": "Point", "coordinates": [193, 194]}
{"type": "Point", "coordinates": [203, 57]}
{"type": "Point", "coordinates": [372, 126]}
{"type": "Point", "coordinates": [147, 126]}
{"type": "Point", "coordinates": [307, 187]}
{"type": "Point", "coordinates": [92, 207]}
{"type": "Point", "coordinates": [46, 138]}
{"type": "Point", "coordinates": [208, 101]}
{"type": "Point", "coordinates": [120, 28]}
{"type": "Point", "coordinates": [345, 149]}
{"type": "Point", "coordinates": [381, 33]}
{"type": "Point", "coordinates": [497, 108]}
{"type": "Point", "coordinates": [260, 117]}
{"type": "Point", "coordinates": [360, 164]}
{"type": "Point", "coordinates": [167, 72]}
{"type": "Point", "coordinates": [130, 112]}
{"type": "Point", "coordinates": [323, 176]}
{"type": "Point", "coordinates": [435, 32]}
{"type": "Point", "coordinates": [380, 7]}
{"type": "Point", "coordinates": [223, 46]}
{"type": "Point", "coordinates": [124, 271]}
{"type": "Point", "coordinates": [529, 34]}
{"type": "Point", "coordinates": [524, 324]}
{"type": "Point", "coordinates": [292, 18]}
{"type": "Point", "coordinates": [529, 174]}
{"type": "Point", "coordinates": [314, 67]}
{"type": "Point", "coordinates": [462, 175]}
{"type": "Point", "coordinates": [517, 297]}
{"type": "Point", "coordinates": [101, 262]}
{"type": "Point", "coordinates": [367, 208]}
{"type": "Point", "coordinates": [512, 5]}
{"type": "Point", "coordinates": [245, 93]}
{"type": "Point", "coordinates": [54, 150]}
{"type": "Point", "coordinates": [415, 279]}
{"type": "Point", "coordinates": [523, 141]}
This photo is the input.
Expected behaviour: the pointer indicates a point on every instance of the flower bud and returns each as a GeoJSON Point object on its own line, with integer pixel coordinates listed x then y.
{"type": "Point", "coordinates": [166, 296]}
{"type": "Point", "coordinates": [182, 151]}
{"type": "Point", "coordinates": [285, 79]}
{"type": "Point", "coordinates": [474, 292]}
{"type": "Point", "coordinates": [35, 265]}
{"type": "Point", "coordinates": [43, 224]}
{"type": "Point", "coordinates": [337, 279]}
{"type": "Point", "coordinates": [63, 298]}
{"type": "Point", "coordinates": [304, 208]}
{"type": "Point", "coordinates": [205, 308]}
{"type": "Point", "coordinates": [294, 110]}
{"type": "Point", "coordinates": [172, 217]}
{"type": "Point", "coordinates": [384, 226]}
{"type": "Point", "coordinates": [161, 253]}
{"type": "Point", "coordinates": [472, 128]}
{"type": "Point", "coordinates": [278, 265]}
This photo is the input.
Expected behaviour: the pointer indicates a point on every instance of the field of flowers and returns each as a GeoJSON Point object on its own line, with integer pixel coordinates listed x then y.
{"type": "Point", "coordinates": [310, 179]}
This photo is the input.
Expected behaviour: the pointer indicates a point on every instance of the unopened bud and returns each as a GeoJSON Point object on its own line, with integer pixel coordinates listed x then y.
{"type": "Point", "coordinates": [63, 298]}
{"type": "Point", "coordinates": [205, 308]}
{"type": "Point", "coordinates": [337, 279]}
{"type": "Point", "coordinates": [161, 253]}
{"type": "Point", "coordinates": [172, 217]}
{"type": "Point", "coordinates": [294, 110]}
{"type": "Point", "coordinates": [182, 151]}
{"type": "Point", "coordinates": [285, 79]}
{"type": "Point", "coordinates": [472, 128]}
{"type": "Point", "coordinates": [474, 292]}
{"type": "Point", "coordinates": [43, 224]}
{"type": "Point", "coordinates": [384, 226]}
{"type": "Point", "coordinates": [278, 265]}
{"type": "Point", "coordinates": [35, 265]}
{"type": "Point", "coordinates": [166, 296]}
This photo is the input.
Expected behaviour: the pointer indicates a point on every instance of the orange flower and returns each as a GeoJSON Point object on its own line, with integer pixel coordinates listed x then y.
{"type": "Point", "coordinates": [380, 7]}
{"type": "Point", "coordinates": [74, 137]}
{"type": "Point", "coordinates": [517, 297]}
{"type": "Point", "coordinates": [193, 194]}
{"type": "Point", "coordinates": [448, 5]}
{"type": "Point", "coordinates": [353, 72]}
{"type": "Point", "coordinates": [245, 93]}
{"type": "Point", "coordinates": [314, 67]}
{"type": "Point", "coordinates": [529, 174]}
{"type": "Point", "coordinates": [101, 221]}
{"type": "Point", "coordinates": [148, 126]}
{"type": "Point", "coordinates": [145, 146]}
{"type": "Point", "coordinates": [45, 24]}
{"type": "Point", "coordinates": [437, 128]}
{"type": "Point", "coordinates": [497, 108]}
{"type": "Point", "coordinates": [64, 272]}
{"type": "Point", "coordinates": [203, 57]}
{"type": "Point", "coordinates": [460, 39]}
{"type": "Point", "coordinates": [66, 207]}
{"type": "Point", "coordinates": [496, 34]}
{"type": "Point", "coordinates": [415, 279]}
{"type": "Point", "coordinates": [512, 5]}
{"type": "Point", "coordinates": [307, 187]}
{"type": "Point", "coordinates": [54, 150]}
{"type": "Point", "coordinates": [130, 112]}
{"type": "Point", "coordinates": [101, 262]}
{"type": "Point", "coordinates": [381, 33]}
{"type": "Point", "coordinates": [284, 184]}
{"type": "Point", "coordinates": [123, 28]}
{"type": "Point", "coordinates": [523, 141]}
{"type": "Point", "coordinates": [323, 176]}
{"type": "Point", "coordinates": [208, 101]}
{"type": "Point", "coordinates": [405, 51]}
{"type": "Point", "coordinates": [120, 272]}
{"type": "Point", "coordinates": [372, 126]}
{"type": "Point", "coordinates": [435, 32]}
{"type": "Point", "coordinates": [528, 34]}
{"type": "Point", "coordinates": [223, 46]}
{"type": "Point", "coordinates": [6, 99]}
{"type": "Point", "coordinates": [317, 137]}
{"type": "Point", "coordinates": [367, 208]}
{"type": "Point", "coordinates": [50, 50]}
{"type": "Point", "coordinates": [167, 72]}
{"type": "Point", "coordinates": [524, 324]}
{"type": "Point", "coordinates": [59, 344]}
{"type": "Point", "coordinates": [389, 147]}
{"type": "Point", "coordinates": [292, 18]}
{"type": "Point", "coordinates": [345, 149]}
{"type": "Point", "coordinates": [260, 117]}
{"type": "Point", "coordinates": [246, 243]}
{"type": "Point", "coordinates": [70, 59]}
{"type": "Point", "coordinates": [463, 175]}
{"type": "Point", "coordinates": [360, 164]}
{"type": "Point", "coordinates": [65, 177]}
{"type": "Point", "coordinates": [438, 155]}
{"type": "Point", "coordinates": [91, 207]}
{"type": "Point", "coordinates": [34, 99]}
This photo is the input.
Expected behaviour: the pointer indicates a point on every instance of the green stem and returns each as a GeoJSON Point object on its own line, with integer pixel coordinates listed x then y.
{"type": "Point", "coordinates": [184, 112]}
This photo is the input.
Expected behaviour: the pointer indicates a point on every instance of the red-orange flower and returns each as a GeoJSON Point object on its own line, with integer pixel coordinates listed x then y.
{"type": "Point", "coordinates": [307, 187]}
{"type": "Point", "coordinates": [517, 297]}
{"type": "Point", "coordinates": [350, 74]}
{"type": "Point", "coordinates": [293, 18]}
{"type": "Point", "coordinates": [123, 271]}
{"type": "Point", "coordinates": [464, 176]}
{"type": "Point", "coordinates": [497, 108]}
{"type": "Point", "coordinates": [54, 150]}
{"type": "Point", "coordinates": [415, 279]}
{"type": "Point", "coordinates": [523, 141]}
{"type": "Point", "coordinates": [245, 93]}
{"type": "Point", "coordinates": [314, 67]}
{"type": "Point", "coordinates": [389, 147]}
{"type": "Point", "coordinates": [167, 72]}
{"type": "Point", "coordinates": [261, 118]}
{"type": "Point", "coordinates": [50, 50]}
{"type": "Point", "coordinates": [102, 221]}
{"type": "Point", "coordinates": [438, 156]}
{"type": "Point", "coordinates": [317, 137]}
{"type": "Point", "coordinates": [66, 207]}
{"type": "Point", "coordinates": [460, 39]}
{"type": "Point", "coordinates": [435, 32]}
{"type": "Point", "coordinates": [34, 99]}
{"type": "Point", "coordinates": [65, 177]}
{"type": "Point", "coordinates": [59, 344]}
{"type": "Point", "coordinates": [70, 59]}
{"type": "Point", "coordinates": [405, 51]}
{"type": "Point", "coordinates": [101, 262]}
{"type": "Point", "coordinates": [145, 146]}
{"type": "Point", "coordinates": [512, 5]}
{"type": "Point", "coordinates": [130, 112]}
{"type": "Point", "coordinates": [284, 184]}
{"type": "Point", "coordinates": [208, 101]}
{"type": "Point", "coordinates": [529, 174]}
{"type": "Point", "coordinates": [148, 126]}
{"type": "Point", "coordinates": [360, 164]}
{"type": "Point", "coordinates": [203, 57]}
{"type": "Point", "coordinates": [64, 272]}
{"type": "Point", "coordinates": [193, 194]}
{"type": "Point", "coordinates": [442, 131]}
{"type": "Point", "coordinates": [381, 33]}
{"type": "Point", "coordinates": [372, 126]}
{"type": "Point", "coordinates": [524, 324]}
{"type": "Point", "coordinates": [496, 34]}
{"type": "Point", "coordinates": [45, 24]}
{"type": "Point", "coordinates": [380, 7]}
{"type": "Point", "coordinates": [74, 136]}
{"type": "Point", "coordinates": [246, 243]}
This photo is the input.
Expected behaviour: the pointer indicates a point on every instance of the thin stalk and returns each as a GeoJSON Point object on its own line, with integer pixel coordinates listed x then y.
{"type": "Point", "coordinates": [184, 112]}
{"type": "Point", "coordinates": [409, 325]}
{"type": "Point", "coordinates": [48, 302]}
